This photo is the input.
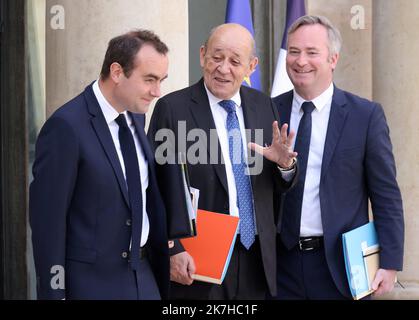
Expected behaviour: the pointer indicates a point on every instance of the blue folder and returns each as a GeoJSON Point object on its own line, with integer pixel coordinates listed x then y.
{"type": "Point", "coordinates": [360, 248]}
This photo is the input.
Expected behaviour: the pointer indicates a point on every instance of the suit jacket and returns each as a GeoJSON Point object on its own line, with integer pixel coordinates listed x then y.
{"type": "Point", "coordinates": [190, 108]}
{"type": "Point", "coordinates": [79, 207]}
{"type": "Point", "coordinates": [357, 166]}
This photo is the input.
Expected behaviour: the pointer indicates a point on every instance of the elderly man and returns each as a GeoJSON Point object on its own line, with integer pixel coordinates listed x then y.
{"type": "Point", "coordinates": [219, 102]}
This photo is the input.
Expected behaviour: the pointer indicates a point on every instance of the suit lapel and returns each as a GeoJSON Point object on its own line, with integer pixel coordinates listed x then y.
{"type": "Point", "coordinates": [139, 123]}
{"type": "Point", "coordinates": [337, 118]}
{"type": "Point", "coordinates": [201, 112]}
{"type": "Point", "coordinates": [284, 106]}
{"type": "Point", "coordinates": [250, 114]}
{"type": "Point", "coordinates": [102, 131]}
{"type": "Point", "coordinates": [251, 118]}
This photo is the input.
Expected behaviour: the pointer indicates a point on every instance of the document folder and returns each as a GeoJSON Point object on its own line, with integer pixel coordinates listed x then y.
{"type": "Point", "coordinates": [180, 199]}
{"type": "Point", "coordinates": [213, 245]}
{"type": "Point", "coordinates": [361, 253]}
{"type": "Point", "coordinates": [191, 198]}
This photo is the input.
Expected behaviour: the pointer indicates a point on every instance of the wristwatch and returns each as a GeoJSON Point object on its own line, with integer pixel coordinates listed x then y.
{"type": "Point", "coordinates": [291, 167]}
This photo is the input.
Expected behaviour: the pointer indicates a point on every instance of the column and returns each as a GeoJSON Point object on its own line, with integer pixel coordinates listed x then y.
{"type": "Point", "coordinates": [353, 19]}
{"type": "Point", "coordinates": [77, 34]}
{"type": "Point", "coordinates": [395, 85]}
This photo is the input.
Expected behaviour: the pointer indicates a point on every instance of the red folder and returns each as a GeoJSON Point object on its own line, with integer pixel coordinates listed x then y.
{"type": "Point", "coordinates": [213, 245]}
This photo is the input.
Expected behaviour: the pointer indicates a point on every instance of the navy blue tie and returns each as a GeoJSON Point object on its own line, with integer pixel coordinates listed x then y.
{"type": "Point", "coordinates": [291, 221]}
{"type": "Point", "coordinates": [133, 178]}
{"type": "Point", "coordinates": [241, 178]}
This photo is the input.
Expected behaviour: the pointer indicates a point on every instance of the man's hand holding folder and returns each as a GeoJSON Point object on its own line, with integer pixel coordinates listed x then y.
{"type": "Point", "coordinates": [361, 254]}
{"type": "Point", "coordinates": [384, 281]}
{"type": "Point", "coordinates": [212, 247]}
{"type": "Point", "coordinates": [182, 267]}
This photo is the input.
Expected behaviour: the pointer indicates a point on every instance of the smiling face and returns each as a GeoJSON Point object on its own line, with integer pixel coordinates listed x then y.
{"type": "Point", "coordinates": [227, 59]}
{"type": "Point", "coordinates": [309, 62]}
{"type": "Point", "coordinates": [135, 92]}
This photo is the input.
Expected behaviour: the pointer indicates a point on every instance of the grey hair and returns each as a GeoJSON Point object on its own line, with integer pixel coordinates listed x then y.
{"type": "Point", "coordinates": [335, 39]}
{"type": "Point", "coordinates": [253, 43]}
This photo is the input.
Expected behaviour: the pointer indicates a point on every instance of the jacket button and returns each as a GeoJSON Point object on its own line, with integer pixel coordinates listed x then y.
{"type": "Point", "coordinates": [128, 222]}
{"type": "Point", "coordinates": [124, 254]}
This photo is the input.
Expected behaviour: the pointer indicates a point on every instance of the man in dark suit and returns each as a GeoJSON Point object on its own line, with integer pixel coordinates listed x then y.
{"type": "Point", "coordinates": [209, 112]}
{"type": "Point", "coordinates": [97, 218]}
{"type": "Point", "coordinates": [345, 160]}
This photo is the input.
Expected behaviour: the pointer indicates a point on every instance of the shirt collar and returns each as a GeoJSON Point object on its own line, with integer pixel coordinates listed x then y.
{"type": "Point", "coordinates": [213, 100]}
{"type": "Point", "coordinates": [319, 102]}
{"type": "Point", "coordinates": [108, 111]}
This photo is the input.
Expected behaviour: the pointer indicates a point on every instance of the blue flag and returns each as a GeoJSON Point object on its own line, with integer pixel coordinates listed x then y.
{"type": "Point", "coordinates": [238, 11]}
{"type": "Point", "coordinates": [282, 83]}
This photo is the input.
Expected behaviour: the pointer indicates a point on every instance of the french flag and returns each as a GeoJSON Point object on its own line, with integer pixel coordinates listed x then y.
{"type": "Point", "coordinates": [282, 83]}
{"type": "Point", "coordinates": [239, 11]}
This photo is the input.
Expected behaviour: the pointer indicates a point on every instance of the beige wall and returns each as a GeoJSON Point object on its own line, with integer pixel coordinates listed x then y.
{"type": "Point", "coordinates": [396, 86]}
{"type": "Point", "coordinates": [354, 69]}
{"type": "Point", "coordinates": [75, 54]}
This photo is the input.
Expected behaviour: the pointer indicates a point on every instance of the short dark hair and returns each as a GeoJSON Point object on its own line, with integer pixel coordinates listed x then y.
{"type": "Point", "coordinates": [123, 49]}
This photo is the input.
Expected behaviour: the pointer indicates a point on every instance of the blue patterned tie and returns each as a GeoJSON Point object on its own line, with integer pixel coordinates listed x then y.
{"type": "Point", "coordinates": [133, 178]}
{"type": "Point", "coordinates": [291, 221]}
{"type": "Point", "coordinates": [243, 186]}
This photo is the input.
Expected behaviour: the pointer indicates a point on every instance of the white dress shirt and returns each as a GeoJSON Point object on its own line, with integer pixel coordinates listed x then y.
{"type": "Point", "coordinates": [110, 115]}
{"type": "Point", "coordinates": [220, 119]}
{"type": "Point", "coordinates": [311, 220]}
